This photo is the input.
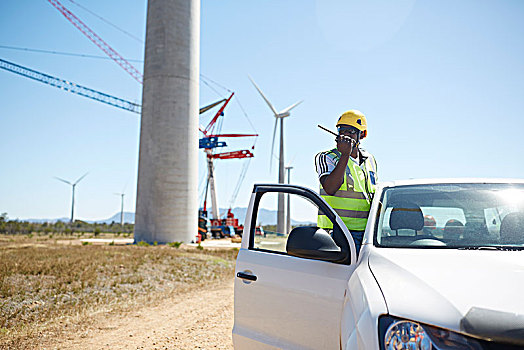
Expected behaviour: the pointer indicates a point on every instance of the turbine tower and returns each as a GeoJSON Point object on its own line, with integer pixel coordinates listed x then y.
{"type": "Point", "coordinates": [73, 185]}
{"type": "Point", "coordinates": [121, 208]}
{"type": "Point", "coordinates": [281, 225]}
{"type": "Point", "coordinates": [167, 188]}
{"type": "Point", "coordinates": [288, 207]}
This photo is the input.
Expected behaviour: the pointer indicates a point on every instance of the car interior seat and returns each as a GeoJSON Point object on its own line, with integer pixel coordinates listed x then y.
{"type": "Point", "coordinates": [475, 230]}
{"type": "Point", "coordinates": [453, 230]}
{"type": "Point", "coordinates": [512, 228]}
{"type": "Point", "coordinates": [406, 216]}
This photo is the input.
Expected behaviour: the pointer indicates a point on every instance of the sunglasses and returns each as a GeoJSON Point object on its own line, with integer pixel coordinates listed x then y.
{"type": "Point", "coordinates": [351, 130]}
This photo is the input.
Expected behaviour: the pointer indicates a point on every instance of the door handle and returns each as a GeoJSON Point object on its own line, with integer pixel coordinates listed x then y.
{"type": "Point", "coordinates": [246, 276]}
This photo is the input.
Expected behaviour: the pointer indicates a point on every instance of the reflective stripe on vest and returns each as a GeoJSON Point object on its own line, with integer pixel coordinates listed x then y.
{"type": "Point", "coordinates": [351, 202]}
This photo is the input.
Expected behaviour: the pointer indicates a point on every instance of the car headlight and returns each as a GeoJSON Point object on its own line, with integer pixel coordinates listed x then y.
{"type": "Point", "coordinates": [399, 334]}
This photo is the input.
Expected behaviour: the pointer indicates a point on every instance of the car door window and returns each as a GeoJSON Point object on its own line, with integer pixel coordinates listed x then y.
{"type": "Point", "coordinates": [268, 237]}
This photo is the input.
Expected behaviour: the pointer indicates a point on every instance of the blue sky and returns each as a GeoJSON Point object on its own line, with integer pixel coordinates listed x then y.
{"type": "Point", "coordinates": [441, 83]}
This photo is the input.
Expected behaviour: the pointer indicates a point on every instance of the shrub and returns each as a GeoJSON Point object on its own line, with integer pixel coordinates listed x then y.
{"type": "Point", "coordinates": [142, 244]}
{"type": "Point", "coordinates": [175, 244]}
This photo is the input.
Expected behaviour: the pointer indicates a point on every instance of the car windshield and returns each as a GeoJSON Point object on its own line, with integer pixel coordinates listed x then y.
{"type": "Point", "coordinates": [463, 216]}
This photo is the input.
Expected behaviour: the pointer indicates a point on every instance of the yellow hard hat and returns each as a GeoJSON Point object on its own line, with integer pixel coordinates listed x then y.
{"type": "Point", "coordinates": [356, 119]}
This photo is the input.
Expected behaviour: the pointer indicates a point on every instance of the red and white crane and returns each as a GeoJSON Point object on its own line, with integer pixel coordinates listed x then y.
{"type": "Point", "coordinates": [98, 41]}
{"type": "Point", "coordinates": [209, 142]}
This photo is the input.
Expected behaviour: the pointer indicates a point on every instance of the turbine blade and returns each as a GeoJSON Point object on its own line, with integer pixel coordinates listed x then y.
{"type": "Point", "coordinates": [67, 182]}
{"type": "Point", "coordinates": [80, 179]}
{"type": "Point", "coordinates": [273, 144]}
{"type": "Point", "coordinates": [291, 107]}
{"type": "Point", "coordinates": [264, 97]}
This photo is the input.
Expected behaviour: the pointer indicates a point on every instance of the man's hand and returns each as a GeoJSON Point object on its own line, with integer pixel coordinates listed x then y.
{"type": "Point", "coordinates": [345, 144]}
{"type": "Point", "coordinates": [332, 182]}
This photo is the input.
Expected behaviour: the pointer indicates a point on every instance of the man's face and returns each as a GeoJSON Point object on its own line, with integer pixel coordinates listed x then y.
{"type": "Point", "coordinates": [348, 130]}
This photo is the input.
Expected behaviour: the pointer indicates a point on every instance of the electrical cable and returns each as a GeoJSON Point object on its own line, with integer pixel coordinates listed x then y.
{"type": "Point", "coordinates": [239, 182]}
{"type": "Point", "coordinates": [108, 22]}
{"type": "Point", "coordinates": [60, 53]}
{"type": "Point", "coordinates": [245, 114]}
{"type": "Point", "coordinates": [201, 195]}
{"type": "Point", "coordinates": [209, 86]}
{"type": "Point", "coordinates": [214, 82]}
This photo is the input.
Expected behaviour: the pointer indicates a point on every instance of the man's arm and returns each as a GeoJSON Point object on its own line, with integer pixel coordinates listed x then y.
{"type": "Point", "coordinates": [332, 182]}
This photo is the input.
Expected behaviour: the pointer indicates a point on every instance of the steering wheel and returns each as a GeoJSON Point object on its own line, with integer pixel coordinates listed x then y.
{"type": "Point", "coordinates": [427, 241]}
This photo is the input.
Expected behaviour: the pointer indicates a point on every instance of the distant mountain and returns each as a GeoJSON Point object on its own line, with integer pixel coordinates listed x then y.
{"type": "Point", "coordinates": [265, 217]}
{"type": "Point", "coordinates": [129, 217]}
{"type": "Point", "coordinates": [41, 221]}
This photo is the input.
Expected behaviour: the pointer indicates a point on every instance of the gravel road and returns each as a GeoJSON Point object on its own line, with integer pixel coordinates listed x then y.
{"type": "Point", "coordinates": [198, 320]}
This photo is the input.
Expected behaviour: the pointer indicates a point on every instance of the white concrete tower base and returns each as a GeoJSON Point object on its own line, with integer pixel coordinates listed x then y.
{"type": "Point", "coordinates": [167, 194]}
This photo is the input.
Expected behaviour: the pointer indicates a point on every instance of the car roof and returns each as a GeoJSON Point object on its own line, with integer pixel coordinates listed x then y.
{"type": "Point", "coordinates": [450, 181]}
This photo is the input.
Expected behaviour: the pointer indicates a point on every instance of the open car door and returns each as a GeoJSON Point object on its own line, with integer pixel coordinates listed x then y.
{"type": "Point", "coordinates": [290, 286]}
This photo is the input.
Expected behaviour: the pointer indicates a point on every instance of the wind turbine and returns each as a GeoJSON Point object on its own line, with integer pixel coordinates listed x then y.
{"type": "Point", "coordinates": [73, 185]}
{"type": "Point", "coordinates": [278, 115]}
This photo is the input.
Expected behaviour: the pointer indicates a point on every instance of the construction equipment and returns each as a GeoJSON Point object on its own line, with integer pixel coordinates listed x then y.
{"type": "Point", "coordinates": [70, 86]}
{"type": "Point", "coordinates": [202, 226]}
{"type": "Point", "coordinates": [229, 225]}
{"type": "Point", "coordinates": [87, 92]}
{"type": "Point", "coordinates": [98, 41]}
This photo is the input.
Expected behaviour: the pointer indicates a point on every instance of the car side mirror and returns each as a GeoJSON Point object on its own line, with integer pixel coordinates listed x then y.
{"type": "Point", "coordinates": [314, 243]}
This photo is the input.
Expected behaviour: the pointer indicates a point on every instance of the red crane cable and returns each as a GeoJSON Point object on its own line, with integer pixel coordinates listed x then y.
{"type": "Point", "coordinates": [122, 62]}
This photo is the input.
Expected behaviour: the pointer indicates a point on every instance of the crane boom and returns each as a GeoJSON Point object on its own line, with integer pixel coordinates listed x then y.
{"type": "Point", "coordinates": [115, 56]}
{"type": "Point", "coordinates": [233, 155]}
{"type": "Point", "coordinates": [218, 114]}
{"type": "Point", "coordinates": [70, 86]}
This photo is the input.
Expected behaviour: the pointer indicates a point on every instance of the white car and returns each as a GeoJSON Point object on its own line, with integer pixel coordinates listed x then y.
{"type": "Point", "coordinates": [441, 267]}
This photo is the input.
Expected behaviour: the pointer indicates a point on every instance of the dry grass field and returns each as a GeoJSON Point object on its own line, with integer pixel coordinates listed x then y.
{"type": "Point", "coordinates": [52, 285]}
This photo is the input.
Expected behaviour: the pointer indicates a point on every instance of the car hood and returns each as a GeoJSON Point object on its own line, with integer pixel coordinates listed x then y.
{"type": "Point", "coordinates": [474, 292]}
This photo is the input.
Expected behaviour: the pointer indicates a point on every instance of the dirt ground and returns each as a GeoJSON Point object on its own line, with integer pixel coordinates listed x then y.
{"type": "Point", "coordinates": [202, 319]}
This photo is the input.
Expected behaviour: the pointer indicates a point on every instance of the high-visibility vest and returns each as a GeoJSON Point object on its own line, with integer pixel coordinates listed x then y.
{"type": "Point", "coordinates": [351, 201]}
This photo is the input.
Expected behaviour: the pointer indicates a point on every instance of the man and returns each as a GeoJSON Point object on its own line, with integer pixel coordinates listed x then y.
{"type": "Point", "coordinates": [348, 175]}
